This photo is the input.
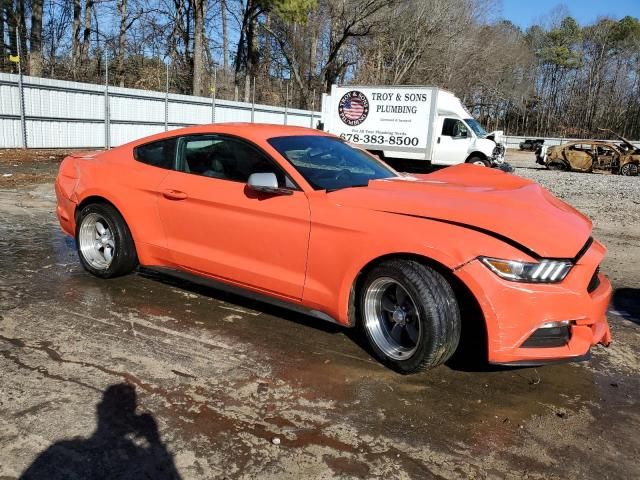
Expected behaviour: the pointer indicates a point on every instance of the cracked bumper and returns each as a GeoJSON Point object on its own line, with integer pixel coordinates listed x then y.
{"type": "Point", "coordinates": [513, 311]}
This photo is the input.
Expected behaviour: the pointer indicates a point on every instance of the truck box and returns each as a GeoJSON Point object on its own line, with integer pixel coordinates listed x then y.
{"type": "Point", "coordinates": [410, 122]}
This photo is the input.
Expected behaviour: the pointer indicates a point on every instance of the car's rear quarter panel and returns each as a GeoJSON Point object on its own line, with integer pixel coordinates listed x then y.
{"type": "Point", "coordinates": [132, 188]}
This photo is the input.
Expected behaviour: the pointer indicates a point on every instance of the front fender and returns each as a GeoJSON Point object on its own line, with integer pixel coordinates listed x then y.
{"type": "Point", "coordinates": [342, 245]}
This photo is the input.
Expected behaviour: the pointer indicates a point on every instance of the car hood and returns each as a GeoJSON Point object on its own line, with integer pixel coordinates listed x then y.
{"type": "Point", "coordinates": [497, 203]}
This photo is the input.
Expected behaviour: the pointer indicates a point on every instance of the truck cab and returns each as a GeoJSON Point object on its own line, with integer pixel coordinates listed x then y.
{"type": "Point", "coordinates": [464, 140]}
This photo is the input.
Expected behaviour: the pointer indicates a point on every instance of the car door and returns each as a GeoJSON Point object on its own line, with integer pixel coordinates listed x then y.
{"type": "Point", "coordinates": [215, 224]}
{"type": "Point", "coordinates": [580, 156]}
{"type": "Point", "coordinates": [452, 142]}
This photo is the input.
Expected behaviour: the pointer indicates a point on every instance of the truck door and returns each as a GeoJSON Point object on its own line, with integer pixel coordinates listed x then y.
{"type": "Point", "coordinates": [452, 141]}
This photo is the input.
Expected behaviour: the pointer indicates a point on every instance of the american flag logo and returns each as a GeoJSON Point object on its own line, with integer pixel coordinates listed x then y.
{"type": "Point", "coordinates": [353, 108]}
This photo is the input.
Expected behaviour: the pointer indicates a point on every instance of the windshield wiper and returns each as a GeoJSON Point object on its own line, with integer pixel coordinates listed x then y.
{"type": "Point", "coordinates": [329, 190]}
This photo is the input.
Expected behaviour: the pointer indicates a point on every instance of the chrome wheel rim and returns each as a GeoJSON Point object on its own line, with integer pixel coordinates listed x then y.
{"type": "Point", "coordinates": [480, 163]}
{"type": "Point", "coordinates": [391, 318]}
{"type": "Point", "coordinates": [97, 244]}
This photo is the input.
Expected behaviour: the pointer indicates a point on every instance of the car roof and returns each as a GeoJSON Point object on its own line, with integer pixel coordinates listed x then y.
{"type": "Point", "coordinates": [256, 132]}
{"type": "Point", "coordinates": [590, 142]}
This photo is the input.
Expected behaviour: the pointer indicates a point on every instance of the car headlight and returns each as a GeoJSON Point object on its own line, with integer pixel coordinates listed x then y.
{"type": "Point", "coordinates": [544, 271]}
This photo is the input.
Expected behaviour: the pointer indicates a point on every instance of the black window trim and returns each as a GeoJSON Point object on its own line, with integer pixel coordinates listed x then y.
{"type": "Point", "coordinates": [296, 187]}
{"type": "Point", "coordinates": [175, 153]}
{"type": "Point", "coordinates": [269, 158]}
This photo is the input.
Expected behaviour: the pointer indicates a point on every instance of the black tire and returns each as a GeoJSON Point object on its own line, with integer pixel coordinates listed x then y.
{"type": "Point", "coordinates": [559, 166]}
{"type": "Point", "coordinates": [125, 259]}
{"type": "Point", "coordinates": [438, 314]}
{"type": "Point", "coordinates": [630, 170]}
{"type": "Point", "coordinates": [478, 160]}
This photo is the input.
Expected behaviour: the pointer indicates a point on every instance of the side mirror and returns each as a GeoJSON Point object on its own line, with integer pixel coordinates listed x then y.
{"type": "Point", "coordinates": [266, 182]}
{"type": "Point", "coordinates": [462, 134]}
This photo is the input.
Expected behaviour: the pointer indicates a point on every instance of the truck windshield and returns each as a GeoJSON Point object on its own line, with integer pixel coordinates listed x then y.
{"type": "Point", "coordinates": [476, 127]}
{"type": "Point", "coordinates": [328, 163]}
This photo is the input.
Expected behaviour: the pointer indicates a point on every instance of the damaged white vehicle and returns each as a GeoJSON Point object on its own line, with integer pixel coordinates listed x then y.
{"type": "Point", "coordinates": [426, 124]}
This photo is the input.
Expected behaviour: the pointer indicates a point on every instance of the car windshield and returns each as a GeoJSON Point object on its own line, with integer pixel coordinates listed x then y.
{"type": "Point", "coordinates": [476, 127]}
{"type": "Point", "coordinates": [329, 163]}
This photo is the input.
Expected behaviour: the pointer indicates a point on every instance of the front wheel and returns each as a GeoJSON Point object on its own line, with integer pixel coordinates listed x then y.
{"type": "Point", "coordinates": [410, 315]}
{"type": "Point", "coordinates": [104, 242]}
{"type": "Point", "coordinates": [479, 161]}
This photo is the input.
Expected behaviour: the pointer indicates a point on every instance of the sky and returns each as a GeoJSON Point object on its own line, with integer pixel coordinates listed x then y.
{"type": "Point", "coordinates": [526, 12]}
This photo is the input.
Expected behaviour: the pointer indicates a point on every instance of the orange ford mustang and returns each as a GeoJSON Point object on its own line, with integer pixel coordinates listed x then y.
{"type": "Point", "coordinates": [299, 217]}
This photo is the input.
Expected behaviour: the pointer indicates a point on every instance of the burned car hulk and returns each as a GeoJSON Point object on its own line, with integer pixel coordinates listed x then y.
{"type": "Point", "coordinates": [592, 155]}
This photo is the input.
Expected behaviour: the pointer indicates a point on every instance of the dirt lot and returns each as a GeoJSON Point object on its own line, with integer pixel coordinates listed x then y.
{"type": "Point", "coordinates": [219, 378]}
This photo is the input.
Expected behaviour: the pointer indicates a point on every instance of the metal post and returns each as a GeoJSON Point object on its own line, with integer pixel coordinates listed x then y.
{"type": "Point", "coordinates": [253, 99]}
{"type": "Point", "coordinates": [313, 106]}
{"type": "Point", "coordinates": [213, 94]}
{"type": "Point", "coordinates": [166, 100]}
{"type": "Point", "coordinates": [286, 104]}
{"type": "Point", "coordinates": [107, 119]}
{"type": "Point", "coordinates": [23, 122]}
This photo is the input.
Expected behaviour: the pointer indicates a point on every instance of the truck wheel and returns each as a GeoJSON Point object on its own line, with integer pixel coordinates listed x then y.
{"type": "Point", "coordinates": [410, 315]}
{"type": "Point", "coordinates": [629, 169]}
{"type": "Point", "coordinates": [479, 161]}
{"type": "Point", "coordinates": [104, 242]}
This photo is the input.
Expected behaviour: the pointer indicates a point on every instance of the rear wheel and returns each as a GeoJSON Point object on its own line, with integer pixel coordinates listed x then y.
{"type": "Point", "coordinates": [482, 162]}
{"type": "Point", "coordinates": [104, 242]}
{"type": "Point", "coordinates": [560, 166]}
{"type": "Point", "coordinates": [630, 169]}
{"type": "Point", "coordinates": [409, 315]}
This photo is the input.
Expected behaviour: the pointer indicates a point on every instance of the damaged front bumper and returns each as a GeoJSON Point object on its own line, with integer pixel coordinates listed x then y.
{"type": "Point", "coordinates": [497, 157]}
{"type": "Point", "coordinates": [515, 312]}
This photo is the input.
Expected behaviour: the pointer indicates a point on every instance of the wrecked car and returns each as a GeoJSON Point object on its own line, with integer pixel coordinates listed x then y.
{"type": "Point", "coordinates": [592, 155]}
{"type": "Point", "coordinates": [300, 218]}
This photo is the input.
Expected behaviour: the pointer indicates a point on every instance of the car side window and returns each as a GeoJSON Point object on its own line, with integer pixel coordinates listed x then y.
{"type": "Point", "coordinates": [158, 154]}
{"type": "Point", "coordinates": [226, 158]}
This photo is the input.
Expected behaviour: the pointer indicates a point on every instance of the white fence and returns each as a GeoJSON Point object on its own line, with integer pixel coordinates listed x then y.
{"type": "Point", "coordinates": [514, 141]}
{"type": "Point", "coordinates": [61, 114]}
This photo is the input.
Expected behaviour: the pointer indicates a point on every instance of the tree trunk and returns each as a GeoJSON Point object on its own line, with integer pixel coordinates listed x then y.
{"type": "Point", "coordinates": [3, 53]}
{"type": "Point", "coordinates": [247, 52]}
{"type": "Point", "coordinates": [12, 22]}
{"type": "Point", "coordinates": [75, 38]}
{"type": "Point", "coordinates": [120, 73]}
{"type": "Point", "coordinates": [22, 25]}
{"type": "Point", "coordinates": [225, 35]}
{"type": "Point", "coordinates": [35, 40]}
{"type": "Point", "coordinates": [86, 33]}
{"type": "Point", "coordinates": [198, 46]}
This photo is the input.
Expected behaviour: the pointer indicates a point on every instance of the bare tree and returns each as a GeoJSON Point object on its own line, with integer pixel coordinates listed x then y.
{"type": "Point", "coordinates": [35, 39]}
{"type": "Point", "coordinates": [199, 9]}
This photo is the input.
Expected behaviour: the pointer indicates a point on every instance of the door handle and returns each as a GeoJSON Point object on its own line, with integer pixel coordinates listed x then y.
{"type": "Point", "coordinates": [438, 139]}
{"type": "Point", "coordinates": [174, 195]}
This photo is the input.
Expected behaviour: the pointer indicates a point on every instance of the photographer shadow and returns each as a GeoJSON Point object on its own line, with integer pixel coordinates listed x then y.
{"type": "Point", "coordinates": [124, 445]}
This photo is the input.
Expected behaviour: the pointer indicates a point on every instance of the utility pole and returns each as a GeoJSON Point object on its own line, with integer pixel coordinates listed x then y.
{"type": "Point", "coordinates": [23, 121]}
{"type": "Point", "coordinates": [107, 120]}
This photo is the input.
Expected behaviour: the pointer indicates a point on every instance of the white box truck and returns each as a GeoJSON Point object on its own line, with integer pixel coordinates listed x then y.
{"type": "Point", "coordinates": [411, 123]}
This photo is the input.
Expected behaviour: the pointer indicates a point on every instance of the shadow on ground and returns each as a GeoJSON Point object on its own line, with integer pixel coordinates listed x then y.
{"type": "Point", "coordinates": [125, 445]}
{"type": "Point", "coordinates": [471, 356]}
{"type": "Point", "coordinates": [626, 303]}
